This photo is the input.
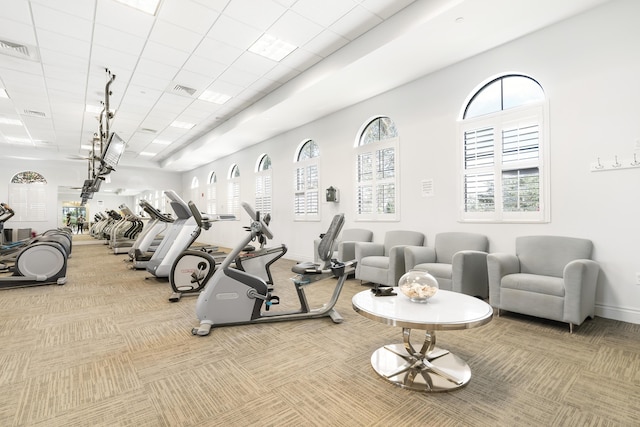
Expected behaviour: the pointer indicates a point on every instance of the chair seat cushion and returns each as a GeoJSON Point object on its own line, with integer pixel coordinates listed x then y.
{"type": "Point", "coordinates": [535, 283]}
{"type": "Point", "coordinates": [435, 269]}
{"type": "Point", "coordinates": [376, 261]}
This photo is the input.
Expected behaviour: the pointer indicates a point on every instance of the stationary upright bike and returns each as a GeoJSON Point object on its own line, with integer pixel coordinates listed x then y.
{"type": "Point", "coordinates": [193, 268]}
{"type": "Point", "coordinates": [234, 297]}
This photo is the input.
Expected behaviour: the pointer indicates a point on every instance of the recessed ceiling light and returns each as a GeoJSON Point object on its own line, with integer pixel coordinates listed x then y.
{"type": "Point", "coordinates": [182, 125]}
{"type": "Point", "coordinates": [147, 6]}
{"type": "Point", "coordinates": [272, 47]}
{"type": "Point", "coordinates": [6, 121]}
{"type": "Point", "coordinates": [3, 93]}
{"type": "Point", "coordinates": [161, 142]}
{"type": "Point", "coordinates": [215, 97]}
{"type": "Point", "coordinates": [148, 154]}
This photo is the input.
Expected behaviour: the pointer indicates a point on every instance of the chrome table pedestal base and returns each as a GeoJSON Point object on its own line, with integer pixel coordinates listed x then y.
{"type": "Point", "coordinates": [431, 369]}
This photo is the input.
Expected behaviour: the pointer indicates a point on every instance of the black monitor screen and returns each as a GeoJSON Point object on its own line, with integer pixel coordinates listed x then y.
{"type": "Point", "coordinates": [113, 151]}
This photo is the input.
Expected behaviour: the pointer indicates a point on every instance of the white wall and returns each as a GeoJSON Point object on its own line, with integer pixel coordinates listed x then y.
{"type": "Point", "coordinates": [588, 67]}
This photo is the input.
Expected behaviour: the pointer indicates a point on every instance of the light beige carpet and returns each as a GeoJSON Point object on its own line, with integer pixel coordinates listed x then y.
{"type": "Point", "coordinates": [108, 349]}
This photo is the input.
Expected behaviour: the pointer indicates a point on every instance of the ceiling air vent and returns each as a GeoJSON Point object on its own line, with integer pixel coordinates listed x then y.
{"type": "Point", "coordinates": [34, 113]}
{"type": "Point", "coordinates": [183, 90]}
{"type": "Point", "coordinates": [18, 50]}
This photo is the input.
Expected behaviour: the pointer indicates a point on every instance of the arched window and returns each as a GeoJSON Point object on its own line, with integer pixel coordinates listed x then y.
{"type": "Point", "coordinates": [194, 193]}
{"type": "Point", "coordinates": [212, 204]}
{"type": "Point", "coordinates": [28, 177]}
{"type": "Point", "coordinates": [263, 184]}
{"type": "Point", "coordinates": [502, 133]}
{"type": "Point", "coordinates": [306, 204]}
{"type": "Point", "coordinates": [28, 196]}
{"type": "Point", "coordinates": [233, 191]}
{"type": "Point", "coordinates": [376, 165]}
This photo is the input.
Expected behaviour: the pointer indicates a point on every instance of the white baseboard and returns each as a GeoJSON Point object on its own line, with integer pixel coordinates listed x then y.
{"type": "Point", "coordinates": [618, 313]}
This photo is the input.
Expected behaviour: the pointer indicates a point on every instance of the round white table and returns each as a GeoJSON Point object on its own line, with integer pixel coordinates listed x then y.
{"type": "Point", "coordinates": [431, 368]}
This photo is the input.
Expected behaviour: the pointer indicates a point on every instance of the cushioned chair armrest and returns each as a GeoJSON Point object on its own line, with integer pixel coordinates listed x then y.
{"type": "Point", "coordinates": [498, 266]}
{"type": "Point", "coordinates": [365, 249]}
{"type": "Point", "coordinates": [396, 264]}
{"type": "Point", "coordinates": [414, 255]}
{"type": "Point", "coordinates": [469, 273]}
{"type": "Point", "coordinates": [347, 251]}
{"type": "Point", "coordinates": [580, 281]}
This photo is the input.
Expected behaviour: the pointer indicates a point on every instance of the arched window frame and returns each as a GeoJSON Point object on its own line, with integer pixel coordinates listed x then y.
{"type": "Point", "coordinates": [376, 165]}
{"type": "Point", "coordinates": [264, 181]}
{"type": "Point", "coordinates": [212, 193]}
{"type": "Point", "coordinates": [28, 196]}
{"type": "Point", "coordinates": [512, 144]}
{"type": "Point", "coordinates": [306, 198]}
{"type": "Point", "coordinates": [233, 191]}
{"type": "Point", "coordinates": [194, 192]}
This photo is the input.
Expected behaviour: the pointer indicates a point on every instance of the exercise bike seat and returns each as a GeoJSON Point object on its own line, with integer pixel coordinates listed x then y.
{"type": "Point", "coordinates": [306, 268]}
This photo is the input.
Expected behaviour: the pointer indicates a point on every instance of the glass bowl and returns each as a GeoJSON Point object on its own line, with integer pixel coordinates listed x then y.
{"type": "Point", "coordinates": [418, 285]}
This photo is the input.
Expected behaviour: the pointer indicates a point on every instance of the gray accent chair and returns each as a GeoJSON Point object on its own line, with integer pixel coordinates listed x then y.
{"type": "Point", "coordinates": [383, 263]}
{"type": "Point", "coordinates": [344, 248]}
{"type": "Point", "coordinates": [551, 277]}
{"type": "Point", "coordinates": [458, 261]}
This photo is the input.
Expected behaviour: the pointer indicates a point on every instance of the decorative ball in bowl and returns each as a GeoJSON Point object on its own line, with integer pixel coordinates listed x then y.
{"type": "Point", "coordinates": [418, 285]}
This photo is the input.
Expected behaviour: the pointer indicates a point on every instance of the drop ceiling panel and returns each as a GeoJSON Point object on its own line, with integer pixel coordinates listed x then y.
{"type": "Point", "coordinates": [204, 66]}
{"type": "Point", "coordinates": [105, 57]}
{"type": "Point", "coordinates": [62, 23]}
{"type": "Point", "coordinates": [142, 82]}
{"type": "Point", "coordinates": [325, 43]}
{"type": "Point", "coordinates": [80, 8]}
{"type": "Point", "coordinates": [218, 51]}
{"type": "Point", "coordinates": [257, 14]}
{"type": "Point", "coordinates": [301, 59]}
{"type": "Point", "coordinates": [164, 54]}
{"type": "Point", "coordinates": [188, 14]}
{"type": "Point", "coordinates": [358, 21]}
{"type": "Point", "coordinates": [157, 69]}
{"type": "Point", "coordinates": [197, 81]}
{"type": "Point", "coordinates": [385, 8]}
{"type": "Point", "coordinates": [172, 103]}
{"type": "Point", "coordinates": [257, 64]}
{"type": "Point", "coordinates": [217, 5]}
{"type": "Point", "coordinates": [15, 11]}
{"type": "Point", "coordinates": [175, 36]}
{"type": "Point", "coordinates": [118, 40]}
{"type": "Point", "coordinates": [234, 33]}
{"type": "Point", "coordinates": [238, 77]}
{"type": "Point", "coordinates": [281, 73]}
{"type": "Point", "coordinates": [61, 43]}
{"type": "Point", "coordinates": [325, 12]}
{"type": "Point", "coordinates": [17, 32]}
{"type": "Point", "coordinates": [295, 29]}
{"type": "Point", "coordinates": [123, 18]}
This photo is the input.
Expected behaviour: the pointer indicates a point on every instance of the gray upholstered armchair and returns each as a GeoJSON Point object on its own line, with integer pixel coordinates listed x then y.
{"type": "Point", "coordinates": [383, 263]}
{"type": "Point", "coordinates": [458, 261]}
{"type": "Point", "coordinates": [344, 247]}
{"type": "Point", "coordinates": [551, 277]}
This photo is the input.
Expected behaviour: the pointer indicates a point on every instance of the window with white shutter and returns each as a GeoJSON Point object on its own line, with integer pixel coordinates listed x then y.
{"type": "Point", "coordinates": [376, 177]}
{"type": "Point", "coordinates": [263, 185]}
{"type": "Point", "coordinates": [306, 200]}
{"type": "Point", "coordinates": [212, 196]}
{"type": "Point", "coordinates": [504, 174]}
{"type": "Point", "coordinates": [233, 191]}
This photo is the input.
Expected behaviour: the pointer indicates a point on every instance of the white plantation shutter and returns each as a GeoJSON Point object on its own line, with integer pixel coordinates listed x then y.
{"type": "Point", "coordinates": [502, 164]}
{"type": "Point", "coordinates": [306, 200]}
{"type": "Point", "coordinates": [376, 181]}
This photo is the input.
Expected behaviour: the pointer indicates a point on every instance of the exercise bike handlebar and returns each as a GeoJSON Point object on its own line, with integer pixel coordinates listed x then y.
{"type": "Point", "coordinates": [264, 229]}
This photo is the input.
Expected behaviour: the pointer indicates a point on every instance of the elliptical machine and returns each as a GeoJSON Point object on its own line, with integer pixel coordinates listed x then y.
{"type": "Point", "coordinates": [234, 297]}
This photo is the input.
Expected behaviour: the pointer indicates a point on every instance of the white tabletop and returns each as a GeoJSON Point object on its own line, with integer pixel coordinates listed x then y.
{"type": "Point", "coordinates": [446, 310]}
